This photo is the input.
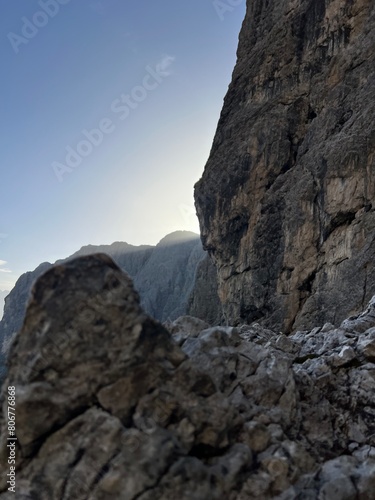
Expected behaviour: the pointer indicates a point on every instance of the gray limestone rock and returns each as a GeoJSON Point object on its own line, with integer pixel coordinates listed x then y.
{"type": "Point", "coordinates": [204, 301]}
{"type": "Point", "coordinates": [287, 200]}
{"type": "Point", "coordinates": [3, 294]}
{"type": "Point", "coordinates": [110, 404]}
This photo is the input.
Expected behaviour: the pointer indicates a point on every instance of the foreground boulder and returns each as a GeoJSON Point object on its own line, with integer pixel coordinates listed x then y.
{"type": "Point", "coordinates": [110, 406]}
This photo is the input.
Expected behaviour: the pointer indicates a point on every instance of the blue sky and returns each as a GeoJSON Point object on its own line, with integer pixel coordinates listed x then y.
{"type": "Point", "coordinates": [109, 109]}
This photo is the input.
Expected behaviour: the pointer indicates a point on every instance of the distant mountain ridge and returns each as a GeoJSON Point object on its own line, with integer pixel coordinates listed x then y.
{"type": "Point", "coordinates": [164, 276]}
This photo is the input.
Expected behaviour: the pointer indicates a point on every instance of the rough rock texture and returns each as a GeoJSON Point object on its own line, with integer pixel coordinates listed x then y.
{"type": "Point", "coordinates": [3, 294]}
{"type": "Point", "coordinates": [204, 302]}
{"type": "Point", "coordinates": [164, 276]}
{"type": "Point", "coordinates": [110, 406]}
{"type": "Point", "coordinates": [14, 311]}
{"type": "Point", "coordinates": [286, 201]}
{"type": "Point", "coordinates": [166, 281]}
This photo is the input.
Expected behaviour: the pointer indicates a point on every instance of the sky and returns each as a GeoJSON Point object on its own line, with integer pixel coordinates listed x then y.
{"type": "Point", "coordinates": [109, 109]}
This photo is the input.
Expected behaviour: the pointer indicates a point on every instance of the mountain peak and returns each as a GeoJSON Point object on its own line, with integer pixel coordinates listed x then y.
{"type": "Point", "coordinates": [178, 237]}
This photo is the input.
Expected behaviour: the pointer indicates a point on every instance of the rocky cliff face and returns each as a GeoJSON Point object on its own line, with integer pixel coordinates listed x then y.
{"type": "Point", "coordinates": [287, 199]}
{"type": "Point", "coordinates": [164, 276]}
{"type": "Point", "coordinates": [166, 281]}
{"type": "Point", "coordinates": [110, 405]}
{"type": "Point", "coordinates": [204, 302]}
{"type": "Point", "coordinates": [3, 294]}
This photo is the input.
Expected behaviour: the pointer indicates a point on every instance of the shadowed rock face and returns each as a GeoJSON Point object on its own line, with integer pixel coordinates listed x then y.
{"type": "Point", "coordinates": [287, 200]}
{"type": "Point", "coordinates": [110, 405]}
{"type": "Point", "coordinates": [3, 294]}
{"type": "Point", "coordinates": [204, 301]}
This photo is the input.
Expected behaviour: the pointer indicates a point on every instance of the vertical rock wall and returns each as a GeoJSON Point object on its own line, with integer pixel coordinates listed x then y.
{"type": "Point", "coordinates": [286, 202]}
